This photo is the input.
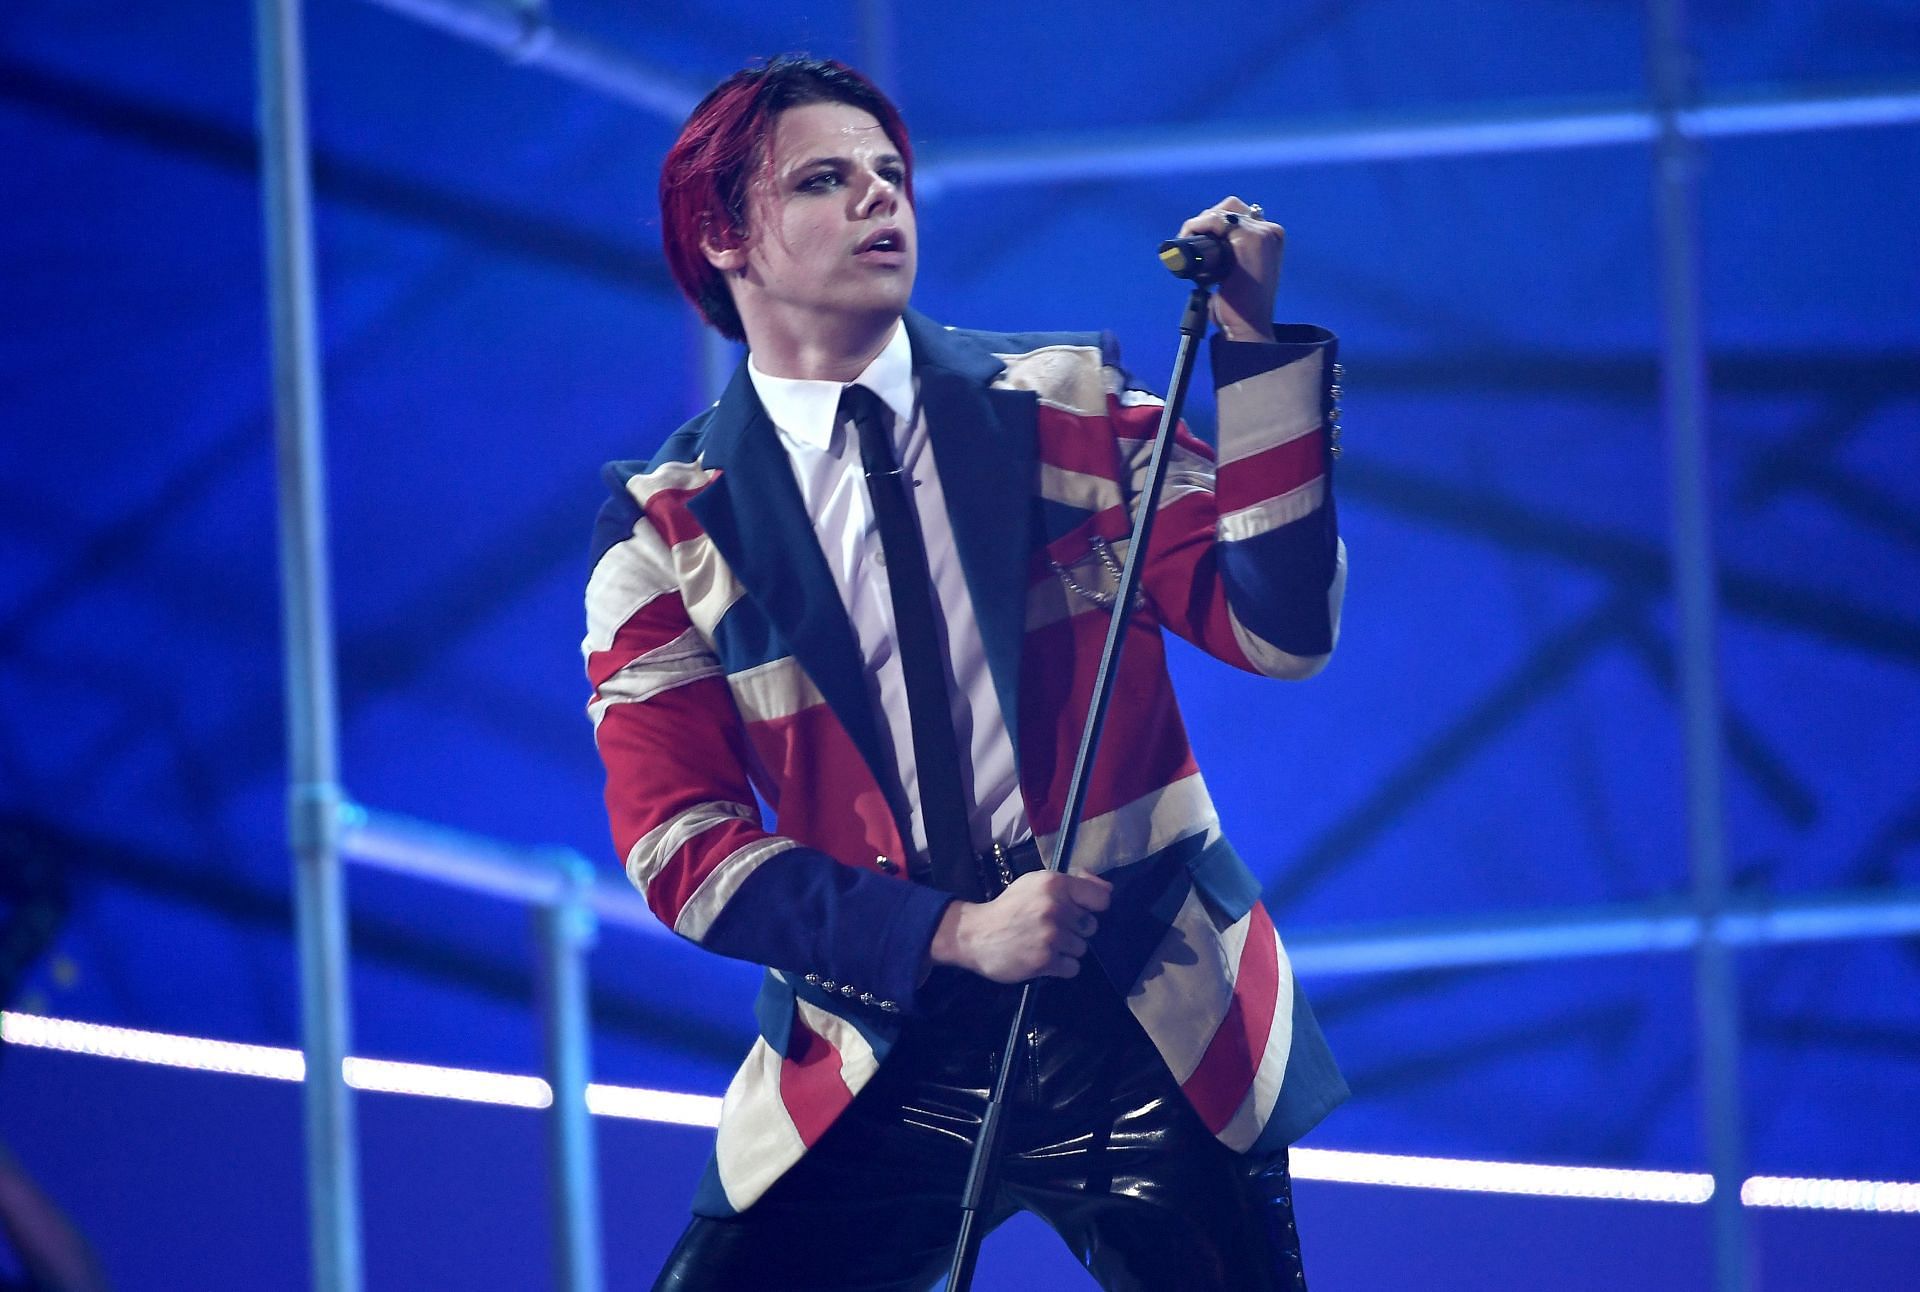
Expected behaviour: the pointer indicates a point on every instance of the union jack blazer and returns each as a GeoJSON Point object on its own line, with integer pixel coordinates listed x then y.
{"type": "Point", "coordinates": [722, 663]}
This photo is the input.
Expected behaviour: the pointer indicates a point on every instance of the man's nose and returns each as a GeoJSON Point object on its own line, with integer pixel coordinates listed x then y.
{"type": "Point", "coordinates": [882, 194]}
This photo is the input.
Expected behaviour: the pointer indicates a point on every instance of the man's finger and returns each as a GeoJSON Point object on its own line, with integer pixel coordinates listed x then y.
{"type": "Point", "coordinates": [1089, 892]}
{"type": "Point", "coordinates": [1214, 219]}
{"type": "Point", "coordinates": [1207, 222]}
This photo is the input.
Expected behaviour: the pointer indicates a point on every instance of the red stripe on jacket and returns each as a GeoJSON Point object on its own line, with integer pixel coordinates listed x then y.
{"type": "Point", "coordinates": [1184, 579]}
{"type": "Point", "coordinates": [1219, 1085]}
{"type": "Point", "coordinates": [811, 1086]}
{"type": "Point", "coordinates": [1141, 423]}
{"type": "Point", "coordinates": [855, 824]}
{"type": "Point", "coordinates": [1075, 442]}
{"type": "Point", "coordinates": [667, 509]}
{"type": "Point", "coordinates": [1144, 745]}
{"type": "Point", "coordinates": [705, 763]}
{"type": "Point", "coordinates": [694, 862]}
{"type": "Point", "coordinates": [649, 628]}
{"type": "Point", "coordinates": [1272, 472]}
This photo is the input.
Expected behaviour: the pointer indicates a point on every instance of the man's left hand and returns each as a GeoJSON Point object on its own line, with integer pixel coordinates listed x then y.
{"type": "Point", "coordinates": [1243, 306]}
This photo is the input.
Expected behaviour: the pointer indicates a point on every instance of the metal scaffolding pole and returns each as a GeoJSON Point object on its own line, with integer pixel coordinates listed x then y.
{"type": "Point", "coordinates": [568, 906]}
{"type": "Point", "coordinates": [566, 934]}
{"type": "Point", "coordinates": [1653, 929]}
{"type": "Point", "coordinates": [1136, 153]}
{"type": "Point", "coordinates": [404, 846]}
{"type": "Point", "coordinates": [519, 30]}
{"type": "Point", "coordinates": [1684, 401]}
{"type": "Point", "coordinates": [312, 755]}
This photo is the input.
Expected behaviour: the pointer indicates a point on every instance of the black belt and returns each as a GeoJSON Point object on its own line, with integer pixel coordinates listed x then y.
{"type": "Point", "coordinates": [1001, 864]}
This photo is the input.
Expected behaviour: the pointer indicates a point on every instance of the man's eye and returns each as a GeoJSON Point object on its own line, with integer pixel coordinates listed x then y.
{"type": "Point", "coordinates": [825, 179]}
{"type": "Point", "coordinates": [893, 174]}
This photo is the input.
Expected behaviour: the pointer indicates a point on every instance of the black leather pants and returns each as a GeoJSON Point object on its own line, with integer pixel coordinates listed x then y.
{"type": "Point", "coordinates": [1099, 1143]}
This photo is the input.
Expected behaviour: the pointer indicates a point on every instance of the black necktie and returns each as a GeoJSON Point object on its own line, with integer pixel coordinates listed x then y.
{"type": "Point", "coordinates": [936, 760]}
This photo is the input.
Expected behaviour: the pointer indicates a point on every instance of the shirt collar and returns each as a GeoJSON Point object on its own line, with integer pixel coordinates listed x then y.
{"type": "Point", "coordinates": [805, 411]}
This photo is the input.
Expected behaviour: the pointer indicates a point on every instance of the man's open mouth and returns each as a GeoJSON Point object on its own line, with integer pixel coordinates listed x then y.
{"type": "Point", "coordinates": [886, 240]}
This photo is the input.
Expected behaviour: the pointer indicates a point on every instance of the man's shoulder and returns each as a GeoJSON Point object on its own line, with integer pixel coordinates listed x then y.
{"type": "Point", "coordinates": [1008, 348]}
{"type": "Point", "coordinates": [1074, 370]}
{"type": "Point", "coordinates": [673, 470]}
{"type": "Point", "coordinates": [1003, 344]}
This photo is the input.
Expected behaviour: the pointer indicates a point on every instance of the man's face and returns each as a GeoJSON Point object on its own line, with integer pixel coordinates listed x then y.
{"type": "Point", "coordinates": [829, 227]}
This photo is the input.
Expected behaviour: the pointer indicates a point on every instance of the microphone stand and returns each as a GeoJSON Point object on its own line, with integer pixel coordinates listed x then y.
{"type": "Point", "coordinates": [1193, 326]}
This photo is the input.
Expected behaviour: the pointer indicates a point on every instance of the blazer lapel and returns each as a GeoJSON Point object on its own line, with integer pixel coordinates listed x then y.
{"type": "Point", "coordinates": [983, 445]}
{"type": "Point", "coordinates": [756, 518]}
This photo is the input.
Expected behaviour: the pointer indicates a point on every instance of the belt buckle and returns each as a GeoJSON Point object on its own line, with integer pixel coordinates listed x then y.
{"type": "Point", "coordinates": [1002, 867]}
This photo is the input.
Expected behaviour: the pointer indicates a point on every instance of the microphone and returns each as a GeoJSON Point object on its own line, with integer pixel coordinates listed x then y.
{"type": "Point", "coordinates": [1203, 258]}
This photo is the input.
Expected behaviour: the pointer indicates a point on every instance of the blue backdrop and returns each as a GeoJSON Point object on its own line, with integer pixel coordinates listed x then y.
{"type": "Point", "coordinates": [1498, 733]}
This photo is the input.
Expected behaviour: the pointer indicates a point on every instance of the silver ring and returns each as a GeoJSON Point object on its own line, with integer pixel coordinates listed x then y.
{"type": "Point", "coordinates": [1257, 211]}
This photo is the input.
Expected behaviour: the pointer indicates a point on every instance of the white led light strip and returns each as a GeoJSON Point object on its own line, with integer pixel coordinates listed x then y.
{"type": "Point", "coordinates": [1831, 1195]}
{"type": "Point", "coordinates": [1468, 1175]}
{"type": "Point", "coordinates": [152, 1047]}
{"type": "Point", "coordinates": [640, 1104]}
{"type": "Point", "coordinates": [384, 1075]}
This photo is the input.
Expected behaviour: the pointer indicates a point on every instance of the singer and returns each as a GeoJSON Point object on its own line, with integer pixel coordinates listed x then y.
{"type": "Point", "coordinates": [871, 584]}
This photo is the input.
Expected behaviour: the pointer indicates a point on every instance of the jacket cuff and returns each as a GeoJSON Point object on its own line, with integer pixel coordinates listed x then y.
{"type": "Point", "coordinates": [1235, 361]}
{"type": "Point", "coordinates": [847, 933]}
{"type": "Point", "coordinates": [906, 944]}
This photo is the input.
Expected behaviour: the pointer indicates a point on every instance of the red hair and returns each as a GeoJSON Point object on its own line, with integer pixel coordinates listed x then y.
{"type": "Point", "coordinates": [703, 182]}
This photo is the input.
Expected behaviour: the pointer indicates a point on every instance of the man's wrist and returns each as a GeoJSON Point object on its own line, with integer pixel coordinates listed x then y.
{"type": "Point", "coordinates": [948, 944]}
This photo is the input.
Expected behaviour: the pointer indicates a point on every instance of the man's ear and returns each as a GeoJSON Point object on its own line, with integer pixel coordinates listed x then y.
{"type": "Point", "coordinates": [727, 260]}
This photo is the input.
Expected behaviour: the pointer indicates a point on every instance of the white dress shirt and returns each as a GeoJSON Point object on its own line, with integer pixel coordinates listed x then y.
{"type": "Point", "coordinates": [825, 454]}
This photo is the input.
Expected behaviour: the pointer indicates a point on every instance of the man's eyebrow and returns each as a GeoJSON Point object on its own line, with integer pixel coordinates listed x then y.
{"type": "Point", "coordinates": [882, 159]}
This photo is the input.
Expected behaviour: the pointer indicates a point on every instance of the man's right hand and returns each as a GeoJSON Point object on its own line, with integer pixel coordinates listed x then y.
{"type": "Point", "coordinates": [1037, 928]}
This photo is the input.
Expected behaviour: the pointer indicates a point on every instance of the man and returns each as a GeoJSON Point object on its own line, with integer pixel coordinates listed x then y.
{"type": "Point", "coordinates": [871, 584]}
